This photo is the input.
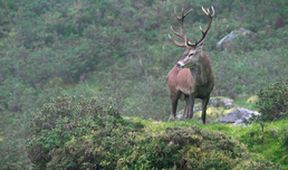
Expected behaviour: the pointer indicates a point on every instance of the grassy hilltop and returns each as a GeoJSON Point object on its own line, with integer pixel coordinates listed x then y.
{"type": "Point", "coordinates": [82, 134]}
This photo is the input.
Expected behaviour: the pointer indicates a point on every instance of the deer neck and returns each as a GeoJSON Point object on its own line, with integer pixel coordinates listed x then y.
{"type": "Point", "coordinates": [202, 71]}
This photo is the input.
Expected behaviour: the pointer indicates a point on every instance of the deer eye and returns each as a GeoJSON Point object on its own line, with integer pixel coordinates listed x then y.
{"type": "Point", "coordinates": [191, 54]}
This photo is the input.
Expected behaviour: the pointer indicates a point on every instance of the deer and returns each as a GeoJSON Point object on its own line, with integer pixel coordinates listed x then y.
{"type": "Point", "coordinates": [191, 77]}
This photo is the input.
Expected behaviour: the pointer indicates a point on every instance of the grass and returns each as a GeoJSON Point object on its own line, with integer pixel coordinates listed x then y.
{"type": "Point", "coordinates": [248, 102]}
{"type": "Point", "coordinates": [268, 144]}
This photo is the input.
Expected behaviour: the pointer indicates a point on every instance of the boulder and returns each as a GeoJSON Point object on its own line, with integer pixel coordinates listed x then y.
{"type": "Point", "coordinates": [227, 41]}
{"type": "Point", "coordinates": [221, 102]}
{"type": "Point", "coordinates": [239, 116]}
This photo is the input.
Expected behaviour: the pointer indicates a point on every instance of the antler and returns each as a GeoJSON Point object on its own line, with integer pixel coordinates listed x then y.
{"type": "Point", "coordinates": [181, 34]}
{"type": "Point", "coordinates": [210, 15]}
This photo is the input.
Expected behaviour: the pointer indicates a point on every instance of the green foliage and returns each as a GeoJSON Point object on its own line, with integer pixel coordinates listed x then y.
{"type": "Point", "coordinates": [236, 73]}
{"type": "Point", "coordinates": [79, 134]}
{"type": "Point", "coordinates": [67, 133]}
{"type": "Point", "coordinates": [273, 137]}
{"type": "Point", "coordinates": [189, 148]}
{"type": "Point", "coordinates": [273, 102]}
{"type": "Point", "coordinates": [284, 138]}
{"type": "Point", "coordinates": [12, 142]}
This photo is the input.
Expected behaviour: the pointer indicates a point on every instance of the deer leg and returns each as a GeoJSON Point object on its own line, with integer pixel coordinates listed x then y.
{"type": "Point", "coordinates": [191, 100]}
{"type": "Point", "coordinates": [205, 102]}
{"type": "Point", "coordinates": [174, 102]}
{"type": "Point", "coordinates": [186, 109]}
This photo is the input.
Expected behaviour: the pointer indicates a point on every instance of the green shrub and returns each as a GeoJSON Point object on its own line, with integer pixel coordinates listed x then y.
{"type": "Point", "coordinates": [284, 138]}
{"type": "Point", "coordinates": [273, 103]}
{"type": "Point", "coordinates": [70, 133]}
{"type": "Point", "coordinates": [258, 165]}
{"type": "Point", "coordinates": [190, 148]}
{"type": "Point", "coordinates": [79, 134]}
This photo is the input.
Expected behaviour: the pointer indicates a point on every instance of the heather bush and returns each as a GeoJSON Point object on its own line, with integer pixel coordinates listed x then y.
{"type": "Point", "coordinates": [273, 103]}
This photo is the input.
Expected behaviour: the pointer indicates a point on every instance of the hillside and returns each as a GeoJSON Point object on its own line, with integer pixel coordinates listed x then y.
{"type": "Point", "coordinates": [72, 134]}
{"type": "Point", "coordinates": [270, 143]}
{"type": "Point", "coordinates": [119, 52]}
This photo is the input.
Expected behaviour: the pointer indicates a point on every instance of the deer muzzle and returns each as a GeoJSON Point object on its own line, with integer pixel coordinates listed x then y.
{"type": "Point", "coordinates": [180, 64]}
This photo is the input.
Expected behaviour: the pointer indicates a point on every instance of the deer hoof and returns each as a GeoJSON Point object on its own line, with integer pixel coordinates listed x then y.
{"type": "Point", "coordinates": [172, 118]}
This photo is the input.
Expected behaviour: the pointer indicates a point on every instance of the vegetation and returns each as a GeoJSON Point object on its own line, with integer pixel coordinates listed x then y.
{"type": "Point", "coordinates": [273, 138]}
{"type": "Point", "coordinates": [78, 135]}
{"type": "Point", "coordinates": [273, 103]}
{"type": "Point", "coordinates": [118, 52]}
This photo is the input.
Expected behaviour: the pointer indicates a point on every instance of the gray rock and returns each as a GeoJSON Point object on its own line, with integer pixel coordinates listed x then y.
{"type": "Point", "coordinates": [221, 102]}
{"type": "Point", "coordinates": [239, 116]}
{"type": "Point", "coordinates": [227, 41]}
{"type": "Point", "coordinates": [239, 122]}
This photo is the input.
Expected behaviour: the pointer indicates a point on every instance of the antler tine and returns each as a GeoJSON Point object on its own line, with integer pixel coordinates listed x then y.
{"type": "Point", "coordinates": [175, 32]}
{"type": "Point", "coordinates": [204, 10]}
{"type": "Point", "coordinates": [213, 11]}
{"type": "Point", "coordinates": [183, 15]}
{"type": "Point", "coordinates": [210, 15]}
{"type": "Point", "coordinates": [188, 11]}
{"type": "Point", "coordinates": [179, 44]}
{"type": "Point", "coordinates": [181, 34]}
{"type": "Point", "coordinates": [175, 11]}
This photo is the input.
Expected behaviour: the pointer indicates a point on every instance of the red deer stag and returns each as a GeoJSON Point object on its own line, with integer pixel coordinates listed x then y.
{"type": "Point", "coordinates": [192, 75]}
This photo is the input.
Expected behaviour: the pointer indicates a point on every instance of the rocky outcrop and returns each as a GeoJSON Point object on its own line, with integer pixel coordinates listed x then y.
{"type": "Point", "coordinates": [221, 102]}
{"type": "Point", "coordinates": [239, 116]}
{"type": "Point", "coordinates": [227, 42]}
{"type": "Point", "coordinates": [222, 109]}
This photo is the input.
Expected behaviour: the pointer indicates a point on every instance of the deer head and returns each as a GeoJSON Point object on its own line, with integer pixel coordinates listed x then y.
{"type": "Point", "coordinates": [190, 56]}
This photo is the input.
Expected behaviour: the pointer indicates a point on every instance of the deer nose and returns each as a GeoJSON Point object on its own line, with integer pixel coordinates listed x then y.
{"type": "Point", "coordinates": [179, 65]}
